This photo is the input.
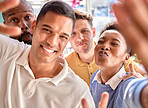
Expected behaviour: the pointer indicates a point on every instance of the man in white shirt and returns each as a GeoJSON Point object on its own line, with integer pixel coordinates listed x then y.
{"type": "Point", "coordinates": [35, 76]}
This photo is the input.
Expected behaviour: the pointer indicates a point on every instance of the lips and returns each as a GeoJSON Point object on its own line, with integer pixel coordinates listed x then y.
{"type": "Point", "coordinates": [47, 50]}
{"type": "Point", "coordinates": [103, 54]}
{"type": "Point", "coordinates": [50, 51]}
{"type": "Point", "coordinates": [81, 44]}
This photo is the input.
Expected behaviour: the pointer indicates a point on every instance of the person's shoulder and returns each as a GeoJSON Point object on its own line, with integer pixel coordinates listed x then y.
{"type": "Point", "coordinates": [70, 56]}
{"type": "Point", "coordinates": [76, 80]}
{"type": "Point", "coordinates": [94, 74]}
{"type": "Point", "coordinates": [124, 83]}
{"type": "Point", "coordinates": [11, 47]}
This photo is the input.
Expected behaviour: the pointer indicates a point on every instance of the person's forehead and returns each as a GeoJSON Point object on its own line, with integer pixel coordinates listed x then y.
{"type": "Point", "coordinates": [56, 22]}
{"type": "Point", "coordinates": [112, 33]}
{"type": "Point", "coordinates": [81, 23]}
{"type": "Point", "coordinates": [20, 9]}
{"type": "Point", "coordinates": [84, 21]}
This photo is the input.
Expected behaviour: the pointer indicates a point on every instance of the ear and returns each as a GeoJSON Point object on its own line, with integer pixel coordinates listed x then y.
{"type": "Point", "coordinates": [94, 31]}
{"type": "Point", "coordinates": [126, 57]}
{"type": "Point", "coordinates": [33, 26]}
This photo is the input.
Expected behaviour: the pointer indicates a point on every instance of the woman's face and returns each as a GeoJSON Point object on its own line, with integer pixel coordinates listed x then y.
{"type": "Point", "coordinates": [110, 50]}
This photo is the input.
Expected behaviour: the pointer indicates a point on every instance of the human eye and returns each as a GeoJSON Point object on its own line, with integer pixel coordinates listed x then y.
{"type": "Point", "coordinates": [84, 31]}
{"type": "Point", "coordinates": [13, 20]}
{"type": "Point", "coordinates": [27, 17]}
{"type": "Point", "coordinates": [64, 37]}
{"type": "Point", "coordinates": [114, 44]}
{"type": "Point", "coordinates": [73, 34]}
{"type": "Point", "coordinates": [100, 41]}
{"type": "Point", "coordinates": [47, 30]}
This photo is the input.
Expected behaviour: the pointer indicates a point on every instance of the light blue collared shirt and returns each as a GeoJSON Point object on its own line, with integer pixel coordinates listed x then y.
{"type": "Point", "coordinates": [122, 94]}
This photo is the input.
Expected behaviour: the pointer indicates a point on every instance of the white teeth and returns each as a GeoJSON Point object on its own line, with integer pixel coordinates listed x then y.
{"type": "Point", "coordinates": [50, 51]}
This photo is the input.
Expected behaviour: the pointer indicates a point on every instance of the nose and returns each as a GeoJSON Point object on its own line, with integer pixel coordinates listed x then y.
{"type": "Point", "coordinates": [53, 40]}
{"type": "Point", "coordinates": [80, 36]}
{"type": "Point", "coordinates": [105, 47]}
{"type": "Point", "coordinates": [23, 25]}
{"type": "Point", "coordinates": [24, 28]}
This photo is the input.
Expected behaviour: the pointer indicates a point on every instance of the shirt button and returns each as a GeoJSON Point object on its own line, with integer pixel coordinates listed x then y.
{"type": "Point", "coordinates": [89, 66]}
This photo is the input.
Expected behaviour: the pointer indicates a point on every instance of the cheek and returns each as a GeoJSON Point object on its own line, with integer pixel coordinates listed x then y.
{"type": "Point", "coordinates": [12, 24]}
{"type": "Point", "coordinates": [72, 41]}
{"type": "Point", "coordinates": [96, 50]}
{"type": "Point", "coordinates": [29, 23]}
{"type": "Point", "coordinates": [119, 54]}
{"type": "Point", "coordinates": [63, 45]}
{"type": "Point", "coordinates": [87, 37]}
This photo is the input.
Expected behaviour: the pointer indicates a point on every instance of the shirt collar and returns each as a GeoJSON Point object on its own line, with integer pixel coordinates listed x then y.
{"type": "Point", "coordinates": [23, 61]}
{"type": "Point", "coordinates": [57, 79]}
{"type": "Point", "coordinates": [113, 81]}
{"type": "Point", "coordinates": [79, 62]}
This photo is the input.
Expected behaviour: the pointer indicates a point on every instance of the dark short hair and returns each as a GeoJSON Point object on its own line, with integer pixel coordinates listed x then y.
{"type": "Point", "coordinates": [84, 16]}
{"type": "Point", "coordinates": [114, 26]}
{"type": "Point", "coordinates": [58, 7]}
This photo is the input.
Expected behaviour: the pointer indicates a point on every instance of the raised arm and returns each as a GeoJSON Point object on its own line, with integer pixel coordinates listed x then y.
{"type": "Point", "coordinates": [4, 29]}
{"type": "Point", "coordinates": [132, 18]}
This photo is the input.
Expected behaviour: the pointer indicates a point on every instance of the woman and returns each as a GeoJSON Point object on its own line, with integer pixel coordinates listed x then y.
{"type": "Point", "coordinates": [111, 53]}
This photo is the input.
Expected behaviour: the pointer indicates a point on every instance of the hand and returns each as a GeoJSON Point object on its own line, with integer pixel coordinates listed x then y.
{"type": "Point", "coordinates": [132, 18]}
{"type": "Point", "coordinates": [132, 73]}
{"type": "Point", "coordinates": [102, 104]}
{"type": "Point", "coordinates": [84, 103]}
{"type": "Point", "coordinates": [5, 5]}
{"type": "Point", "coordinates": [104, 100]}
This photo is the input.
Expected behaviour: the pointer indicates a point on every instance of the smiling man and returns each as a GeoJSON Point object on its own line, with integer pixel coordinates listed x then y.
{"type": "Point", "coordinates": [82, 60]}
{"type": "Point", "coordinates": [35, 76]}
{"type": "Point", "coordinates": [21, 16]}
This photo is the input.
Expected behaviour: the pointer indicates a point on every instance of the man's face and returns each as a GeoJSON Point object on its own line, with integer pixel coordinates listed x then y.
{"type": "Point", "coordinates": [50, 37]}
{"type": "Point", "coordinates": [21, 16]}
{"type": "Point", "coordinates": [110, 50]}
{"type": "Point", "coordinates": [82, 37]}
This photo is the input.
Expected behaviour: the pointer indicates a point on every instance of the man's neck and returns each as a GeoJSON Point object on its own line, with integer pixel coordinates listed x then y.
{"type": "Point", "coordinates": [88, 57]}
{"type": "Point", "coordinates": [41, 70]}
{"type": "Point", "coordinates": [107, 73]}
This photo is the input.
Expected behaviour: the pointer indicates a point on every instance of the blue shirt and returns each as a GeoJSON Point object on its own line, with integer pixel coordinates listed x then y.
{"type": "Point", "coordinates": [125, 95]}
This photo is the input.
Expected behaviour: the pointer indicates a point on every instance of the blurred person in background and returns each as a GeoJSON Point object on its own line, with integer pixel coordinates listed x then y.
{"type": "Point", "coordinates": [82, 60]}
{"type": "Point", "coordinates": [23, 17]}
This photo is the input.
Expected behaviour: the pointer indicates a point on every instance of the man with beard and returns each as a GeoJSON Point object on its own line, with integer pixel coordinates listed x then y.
{"type": "Point", "coordinates": [21, 16]}
{"type": "Point", "coordinates": [82, 61]}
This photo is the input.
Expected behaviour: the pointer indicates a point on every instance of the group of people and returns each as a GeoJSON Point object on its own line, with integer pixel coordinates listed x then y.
{"type": "Point", "coordinates": [36, 76]}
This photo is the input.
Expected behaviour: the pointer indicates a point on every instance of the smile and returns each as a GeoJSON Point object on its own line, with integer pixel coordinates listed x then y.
{"type": "Point", "coordinates": [48, 51]}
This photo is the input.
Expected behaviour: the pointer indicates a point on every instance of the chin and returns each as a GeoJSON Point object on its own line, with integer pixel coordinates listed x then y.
{"type": "Point", "coordinates": [82, 51]}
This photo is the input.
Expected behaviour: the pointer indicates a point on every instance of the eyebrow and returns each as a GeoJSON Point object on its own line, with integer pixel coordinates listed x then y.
{"type": "Point", "coordinates": [45, 25]}
{"type": "Point", "coordinates": [66, 34]}
{"type": "Point", "coordinates": [15, 13]}
{"type": "Point", "coordinates": [116, 40]}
